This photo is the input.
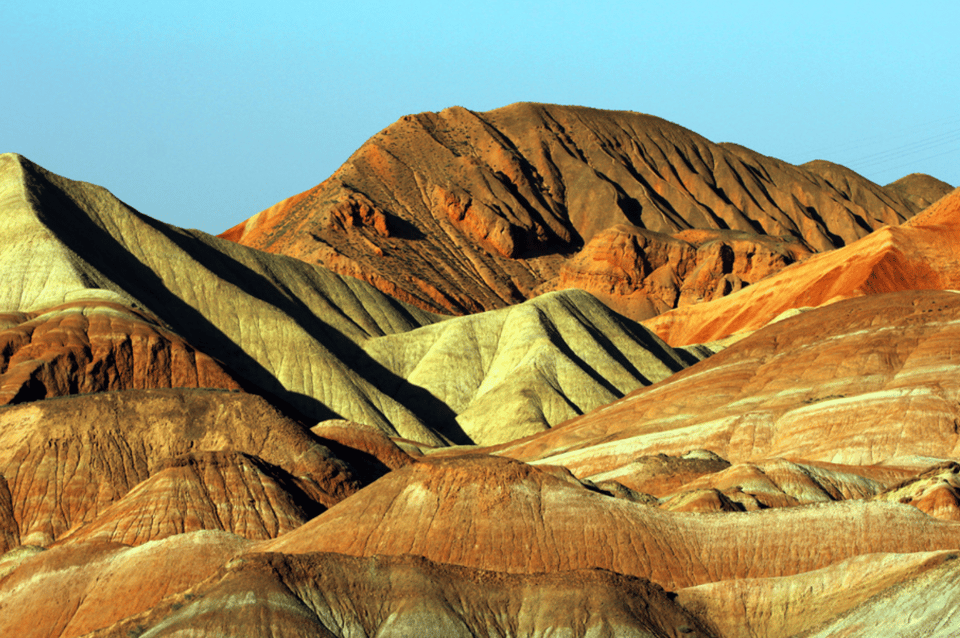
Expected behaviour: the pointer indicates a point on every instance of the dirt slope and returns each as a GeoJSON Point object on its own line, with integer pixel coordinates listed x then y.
{"type": "Point", "coordinates": [459, 211]}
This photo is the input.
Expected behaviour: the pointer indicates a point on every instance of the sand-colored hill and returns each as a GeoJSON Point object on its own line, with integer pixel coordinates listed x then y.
{"type": "Point", "coordinates": [512, 372]}
{"type": "Point", "coordinates": [459, 211]}
{"type": "Point", "coordinates": [280, 325]}
{"type": "Point", "coordinates": [294, 331]}
{"type": "Point", "coordinates": [921, 606]}
{"type": "Point", "coordinates": [776, 607]}
{"type": "Point", "coordinates": [67, 461]}
{"type": "Point", "coordinates": [860, 382]}
{"type": "Point", "coordinates": [502, 515]}
{"type": "Point", "coordinates": [918, 255]}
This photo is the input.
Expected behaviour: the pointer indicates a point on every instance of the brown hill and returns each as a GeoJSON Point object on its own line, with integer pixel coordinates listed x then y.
{"type": "Point", "coordinates": [918, 255]}
{"type": "Point", "coordinates": [919, 189]}
{"type": "Point", "coordinates": [340, 596]}
{"type": "Point", "coordinates": [94, 346]}
{"type": "Point", "coordinates": [460, 211]}
{"type": "Point", "coordinates": [501, 515]}
{"type": "Point", "coordinates": [67, 461]}
{"type": "Point", "coordinates": [228, 491]}
{"type": "Point", "coordinates": [70, 591]}
{"type": "Point", "coordinates": [860, 382]}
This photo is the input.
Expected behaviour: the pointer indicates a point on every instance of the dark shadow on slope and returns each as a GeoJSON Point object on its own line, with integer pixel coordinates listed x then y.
{"type": "Point", "coordinates": [556, 338]}
{"type": "Point", "coordinates": [143, 283]}
{"type": "Point", "coordinates": [71, 225]}
{"type": "Point", "coordinates": [426, 407]}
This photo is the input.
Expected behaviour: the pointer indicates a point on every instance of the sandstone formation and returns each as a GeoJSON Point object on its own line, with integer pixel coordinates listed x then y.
{"type": "Point", "coordinates": [502, 515]}
{"type": "Point", "coordinates": [290, 330]}
{"type": "Point", "coordinates": [643, 274]}
{"type": "Point", "coordinates": [200, 439]}
{"type": "Point", "coordinates": [67, 461]}
{"type": "Point", "coordinates": [917, 255]}
{"type": "Point", "coordinates": [861, 382]}
{"type": "Point", "coordinates": [459, 211]}
{"type": "Point", "coordinates": [95, 346]}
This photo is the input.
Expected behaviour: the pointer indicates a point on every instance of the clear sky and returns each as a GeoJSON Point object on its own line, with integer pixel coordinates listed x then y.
{"type": "Point", "coordinates": [204, 113]}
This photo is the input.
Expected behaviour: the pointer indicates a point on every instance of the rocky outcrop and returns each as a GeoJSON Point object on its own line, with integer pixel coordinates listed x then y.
{"type": "Point", "coordinates": [96, 346]}
{"type": "Point", "coordinates": [460, 211]}
{"type": "Point", "coordinates": [935, 491]}
{"type": "Point", "coordinates": [643, 273]}
{"type": "Point", "coordinates": [918, 255]}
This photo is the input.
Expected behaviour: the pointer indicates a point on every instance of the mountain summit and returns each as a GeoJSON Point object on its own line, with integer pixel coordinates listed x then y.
{"type": "Point", "coordinates": [459, 211]}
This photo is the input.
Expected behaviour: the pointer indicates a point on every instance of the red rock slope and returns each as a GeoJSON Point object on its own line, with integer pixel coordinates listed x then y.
{"type": "Point", "coordinates": [145, 464]}
{"type": "Point", "coordinates": [460, 211]}
{"type": "Point", "coordinates": [95, 346]}
{"type": "Point", "coordinates": [497, 514]}
{"type": "Point", "coordinates": [921, 254]}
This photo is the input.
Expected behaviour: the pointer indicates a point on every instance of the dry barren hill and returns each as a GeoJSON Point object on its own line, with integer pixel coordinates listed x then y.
{"type": "Point", "coordinates": [508, 373]}
{"type": "Point", "coordinates": [861, 383]}
{"type": "Point", "coordinates": [460, 211]}
{"type": "Point", "coordinates": [920, 254]}
{"type": "Point", "coordinates": [199, 438]}
{"type": "Point", "coordinates": [101, 297]}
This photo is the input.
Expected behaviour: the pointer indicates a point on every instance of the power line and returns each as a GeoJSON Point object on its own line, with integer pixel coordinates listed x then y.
{"type": "Point", "coordinates": [901, 167]}
{"type": "Point", "coordinates": [913, 148]}
{"type": "Point", "coordinates": [822, 152]}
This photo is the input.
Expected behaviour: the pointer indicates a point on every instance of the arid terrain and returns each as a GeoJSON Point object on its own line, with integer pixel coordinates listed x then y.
{"type": "Point", "coordinates": [538, 371]}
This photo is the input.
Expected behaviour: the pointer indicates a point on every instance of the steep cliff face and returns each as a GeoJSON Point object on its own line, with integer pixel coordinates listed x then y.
{"type": "Point", "coordinates": [460, 211]}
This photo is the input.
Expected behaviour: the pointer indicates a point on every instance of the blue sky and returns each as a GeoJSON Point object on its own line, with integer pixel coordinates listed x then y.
{"type": "Point", "coordinates": [204, 113]}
